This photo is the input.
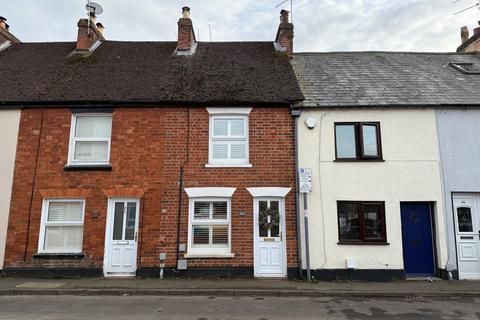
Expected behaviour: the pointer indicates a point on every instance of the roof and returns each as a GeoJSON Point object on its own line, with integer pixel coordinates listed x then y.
{"type": "Point", "coordinates": [146, 72]}
{"type": "Point", "coordinates": [386, 79]}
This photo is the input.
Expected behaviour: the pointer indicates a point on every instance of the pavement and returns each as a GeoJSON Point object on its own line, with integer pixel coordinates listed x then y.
{"type": "Point", "coordinates": [237, 287]}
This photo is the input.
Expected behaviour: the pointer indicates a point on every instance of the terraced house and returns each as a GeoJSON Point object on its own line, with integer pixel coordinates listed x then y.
{"type": "Point", "coordinates": [138, 158]}
{"type": "Point", "coordinates": [381, 131]}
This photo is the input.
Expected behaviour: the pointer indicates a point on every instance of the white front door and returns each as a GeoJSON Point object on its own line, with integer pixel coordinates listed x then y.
{"type": "Point", "coordinates": [467, 224]}
{"type": "Point", "coordinates": [121, 237]}
{"type": "Point", "coordinates": [269, 243]}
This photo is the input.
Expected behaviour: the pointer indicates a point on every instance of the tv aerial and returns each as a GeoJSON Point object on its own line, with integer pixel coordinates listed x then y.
{"type": "Point", "coordinates": [468, 8]}
{"type": "Point", "coordinates": [93, 9]}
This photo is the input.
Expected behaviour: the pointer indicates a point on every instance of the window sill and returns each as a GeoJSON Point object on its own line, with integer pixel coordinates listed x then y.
{"type": "Point", "coordinates": [87, 167]}
{"type": "Point", "coordinates": [59, 256]}
{"type": "Point", "coordinates": [209, 255]}
{"type": "Point", "coordinates": [358, 160]}
{"type": "Point", "coordinates": [228, 165]}
{"type": "Point", "coordinates": [355, 243]}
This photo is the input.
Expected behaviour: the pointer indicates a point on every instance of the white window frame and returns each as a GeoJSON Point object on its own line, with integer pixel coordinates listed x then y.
{"type": "Point", "coordinates": [44, 223]}
{"type": "Point", "coordinates": [229, 113]}
{"type": "Point", "coordinates": [209, 252]}
{"type": "Point", "coordinates": [73, 140]}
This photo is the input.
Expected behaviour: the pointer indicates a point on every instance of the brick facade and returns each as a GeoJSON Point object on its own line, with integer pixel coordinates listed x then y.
{"type": "Point", "coordinates": [149, 145]}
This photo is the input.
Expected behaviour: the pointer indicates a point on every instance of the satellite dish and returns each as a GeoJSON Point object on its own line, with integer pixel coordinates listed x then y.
{"type": "Point", "coordinates": [94, 9]}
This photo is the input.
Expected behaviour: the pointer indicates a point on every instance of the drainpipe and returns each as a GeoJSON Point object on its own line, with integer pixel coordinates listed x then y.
{"type": "Point", "coordinates": [296, 114]}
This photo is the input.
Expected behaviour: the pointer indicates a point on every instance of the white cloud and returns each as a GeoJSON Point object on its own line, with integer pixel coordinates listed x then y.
{"type": "Point", "coordinates": [327, 25]}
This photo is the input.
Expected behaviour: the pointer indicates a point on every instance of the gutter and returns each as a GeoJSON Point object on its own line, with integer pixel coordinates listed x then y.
{"type": "Point", "coordinates": [296, 114]}
{"type": "Point", "coordinates": [134, 103]}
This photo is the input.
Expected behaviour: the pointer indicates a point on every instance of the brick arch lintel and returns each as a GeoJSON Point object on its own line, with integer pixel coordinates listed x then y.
{"type": "Point", "coordinates": [64, 193]}
{"type": "Point", "coordinates": [121, 192]}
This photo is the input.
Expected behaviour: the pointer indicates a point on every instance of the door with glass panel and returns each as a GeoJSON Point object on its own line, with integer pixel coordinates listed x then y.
{"type": "Point", "coordinates": [121, 237]}
{"type": "Point", "coordinates": [467, 224]}
{"type": "Point", "coordinates": [269, 230]}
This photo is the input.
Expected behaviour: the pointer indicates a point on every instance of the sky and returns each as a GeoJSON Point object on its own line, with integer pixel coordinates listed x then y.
{"type": "Point", "coordinates": [320, 25]}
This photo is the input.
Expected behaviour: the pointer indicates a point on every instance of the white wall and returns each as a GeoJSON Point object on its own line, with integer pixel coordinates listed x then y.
{"type": "Point", "coordinates": [411, 172]}
{"type": "Point", "coordinates": [9, 122]}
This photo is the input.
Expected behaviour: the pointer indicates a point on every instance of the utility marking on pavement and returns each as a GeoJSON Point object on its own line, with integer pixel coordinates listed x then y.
{"type": "Point", "coordinates": [41, 285]}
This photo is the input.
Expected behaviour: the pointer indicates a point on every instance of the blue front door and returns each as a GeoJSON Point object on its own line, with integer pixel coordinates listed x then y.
{"type": "Point", "coordinates": [418, 256]}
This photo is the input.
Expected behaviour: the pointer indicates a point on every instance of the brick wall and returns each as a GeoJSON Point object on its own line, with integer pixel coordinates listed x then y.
{"type": "Point", "coordinates": [148, 148]}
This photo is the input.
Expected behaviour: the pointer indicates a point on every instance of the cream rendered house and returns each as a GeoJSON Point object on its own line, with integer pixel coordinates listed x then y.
{"type": "Point", "coordinates": [368, 132]}
{"type": "Point", "coordinates": [9, 123]}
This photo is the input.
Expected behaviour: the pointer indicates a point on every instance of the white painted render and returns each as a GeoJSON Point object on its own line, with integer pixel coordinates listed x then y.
{"type": "Point", "coordinates": [9, 122]}
{"type": "Point", "coordinates": [411, 172]}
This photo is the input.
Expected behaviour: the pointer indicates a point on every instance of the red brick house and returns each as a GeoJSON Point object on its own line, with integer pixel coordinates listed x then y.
{"type": "Point", "coordinates": [137, 157]}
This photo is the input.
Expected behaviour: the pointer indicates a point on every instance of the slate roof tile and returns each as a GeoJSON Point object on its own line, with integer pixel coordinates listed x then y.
{"type": "Point", "coordinates": [386, 78]}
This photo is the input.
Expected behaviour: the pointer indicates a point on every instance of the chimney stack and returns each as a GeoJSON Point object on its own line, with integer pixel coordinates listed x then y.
{"type": "Point", "coordinates": [470, 44]}
{"type": "Point", "coordinates": [464, 33]}
{"type": "Point", "coordinates": [5, 34]}
{"type": "Point", "coordinates": [186, 36]}
{"type": "Point", "coordinates": [88, 33]}
{"type": "Point", "coordinates": [284, 40]}
{"type": "Point", "coordinates": [476, 31]}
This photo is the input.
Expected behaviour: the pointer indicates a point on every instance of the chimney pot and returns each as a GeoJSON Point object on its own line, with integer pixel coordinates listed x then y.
{"type": "Point", "coordinates": [284, 16]}
{"type": "Point", "coordinates": [464, 33]}
{"type": "Point", "coordinates": [100, 27]}
{"type": "Point", "coordinates": [3, 23]}
{"type": "Point", "coordinates": [186, 12]}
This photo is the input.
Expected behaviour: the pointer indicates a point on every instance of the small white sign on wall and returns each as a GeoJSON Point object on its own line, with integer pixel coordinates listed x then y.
{"type": "Point", "coordinates": [305, 177]}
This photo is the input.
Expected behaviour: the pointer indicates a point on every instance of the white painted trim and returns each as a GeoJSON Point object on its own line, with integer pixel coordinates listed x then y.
{"type": "Point", "coordinates": [245, 139]}
{"type": "Point", "coordinates": [209, 252]}
{"type": "Point", "coordinates": [210, 192]}
{"type": "Point", "coordinates": [44, 224]}
{"type": "Point", "coordinates": [228, 165]}
{"type": "Point", "coordinates": [209, 255]}
{"type": "Point", "coordinates": [269, 192]}
{"type": "Point", "coordinates": [228, 111]}
{"type": "Point", "coordinates": [283, 229]}
{"type": "Point", "coordinates": [109, 232]}
{"type": "Point", "coordinates": [73, 140]}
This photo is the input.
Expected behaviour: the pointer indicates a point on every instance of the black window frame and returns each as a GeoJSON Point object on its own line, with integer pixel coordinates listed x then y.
{"type": "Point", "coordinates": [359, 147]}
{"type": "Point", "coordinates": [361, 216]}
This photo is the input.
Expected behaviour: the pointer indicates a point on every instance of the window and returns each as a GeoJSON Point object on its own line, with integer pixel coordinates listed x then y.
{"type": "Point", "coordinates": [90, 138]}
{"type": "Point", "coordinates": [228, 140]}
{"type": "Point", "coordinates": [361, 222]}
{"type": "Point", "coordinates": [209, 226]}
{"type": "Point", "coordinates": [61, 228]}
{"type": "Point", "coordinates": [358, 141]}
{"type": "Point", "coordinates": [464, 216]}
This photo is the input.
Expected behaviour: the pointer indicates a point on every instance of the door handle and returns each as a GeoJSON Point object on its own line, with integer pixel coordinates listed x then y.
{"type": "Point", "coordinates": [135, 236]}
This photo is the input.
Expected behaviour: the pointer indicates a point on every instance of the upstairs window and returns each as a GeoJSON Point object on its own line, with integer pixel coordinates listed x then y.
{"type": "Point", "coordinates": [90, 139]}
{"type": "Point", "coordinates": [358, 141]}
{"type": "Point", "coordinates": [228, 140]}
